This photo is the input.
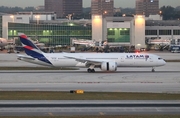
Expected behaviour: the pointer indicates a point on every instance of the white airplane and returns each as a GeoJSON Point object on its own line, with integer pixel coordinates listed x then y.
{"type": "Point", "coordinates": [87, 43]}
{"type": "Point", "coordinates": [104, 61]}
{"type": "Point", "coordinates": [3, 43]}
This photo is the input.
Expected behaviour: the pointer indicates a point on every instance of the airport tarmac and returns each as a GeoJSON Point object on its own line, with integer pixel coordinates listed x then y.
{"type": "Point", "coordinates": [166, 79]}
{"type": "Point", "coordinates": [88, 107]}
{"type": "Point", "coordinates": [84, 111]}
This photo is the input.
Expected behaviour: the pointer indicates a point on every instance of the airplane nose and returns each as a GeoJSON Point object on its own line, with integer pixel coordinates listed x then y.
{"type": "Point", "coordinates": [164, 63]}
{"type": "Point", "coordinates": [161, 63]}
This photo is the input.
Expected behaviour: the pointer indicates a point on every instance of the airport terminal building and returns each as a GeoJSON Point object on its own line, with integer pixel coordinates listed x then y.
{"type": "Point", "coordinates": [116, 30]}
{"type": "Point", "coordinates": [44, 27]}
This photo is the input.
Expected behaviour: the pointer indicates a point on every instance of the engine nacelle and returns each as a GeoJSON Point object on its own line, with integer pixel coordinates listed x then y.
{"type": "Point", "coordinates": [109, 66]}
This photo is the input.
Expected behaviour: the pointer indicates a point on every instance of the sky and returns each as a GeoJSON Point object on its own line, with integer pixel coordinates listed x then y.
{"type": "Point", "coordinates": [86, 3]}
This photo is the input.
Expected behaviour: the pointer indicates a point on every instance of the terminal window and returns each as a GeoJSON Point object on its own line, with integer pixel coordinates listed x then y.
{"type": "Point", "coordinates": [118, 34]}
{"type": "Point", "coordinates": [111, 32]}
{"type": "Point", "coordinates": [151, 32]}
{"type": "Point", "coordinates": [176, 32]}
{"type": "Point", "coordinates": [164, 32]}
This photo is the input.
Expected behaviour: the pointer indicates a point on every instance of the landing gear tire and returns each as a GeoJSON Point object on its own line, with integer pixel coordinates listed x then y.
{"type": "Point", "coordinates": [90, 70]}
{"type": "Point", "coordinates": [153, 70]}
{"type": "Point", "coordinates": [93, 70]}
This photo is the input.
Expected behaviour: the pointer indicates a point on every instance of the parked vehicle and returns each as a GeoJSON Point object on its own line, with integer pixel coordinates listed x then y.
{"type": "Point", "coordinates": [175, 49]}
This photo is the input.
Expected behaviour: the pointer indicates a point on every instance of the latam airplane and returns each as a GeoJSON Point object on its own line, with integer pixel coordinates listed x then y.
{"type": "Point", "coordinates": [104, 61]}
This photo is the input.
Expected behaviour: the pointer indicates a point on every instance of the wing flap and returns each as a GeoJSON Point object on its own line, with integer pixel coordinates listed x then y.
{"type": "Point", "coordinates": [25, 57]}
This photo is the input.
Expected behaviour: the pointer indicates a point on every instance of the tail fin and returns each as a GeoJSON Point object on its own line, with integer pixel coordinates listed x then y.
{"type": "Point", "coordinates": [29, 47]}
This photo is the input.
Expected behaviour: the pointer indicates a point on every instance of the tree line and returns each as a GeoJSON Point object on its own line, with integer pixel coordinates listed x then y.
{"type": "Point", "coordinates": [11, 10]}
{"type": "Point", "coordinates": [170, 13]}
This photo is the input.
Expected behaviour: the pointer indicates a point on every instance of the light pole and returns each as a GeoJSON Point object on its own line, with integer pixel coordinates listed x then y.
{"type": "Point", "coordinates": [37, 18]}
{"type": "Point", "coordinates": [12, 16]}
{"type": "Point", "coordinates": [105, 13]}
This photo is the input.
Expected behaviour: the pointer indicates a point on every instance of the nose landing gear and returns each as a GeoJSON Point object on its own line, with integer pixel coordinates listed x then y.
{"type": "Point", "coordinates": [153, 69]}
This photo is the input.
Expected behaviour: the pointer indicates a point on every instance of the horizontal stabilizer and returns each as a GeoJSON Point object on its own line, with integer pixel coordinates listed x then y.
{"type": "Point", "coordinates": [25, 57]}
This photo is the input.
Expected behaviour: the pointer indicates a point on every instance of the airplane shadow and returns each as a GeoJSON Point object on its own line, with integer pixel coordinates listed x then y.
{"type": "Point", "coordinates": [97, 72]}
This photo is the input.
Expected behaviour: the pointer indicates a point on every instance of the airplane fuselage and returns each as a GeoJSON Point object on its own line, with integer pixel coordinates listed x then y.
{"type": "Point", "coordinates": [104, 61]}
{"type": "Point", "coordinates": [121, 59]}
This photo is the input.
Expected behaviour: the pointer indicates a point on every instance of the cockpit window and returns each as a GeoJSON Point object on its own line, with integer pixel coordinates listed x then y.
{"type": "Point", "coordinates": [160, 58]}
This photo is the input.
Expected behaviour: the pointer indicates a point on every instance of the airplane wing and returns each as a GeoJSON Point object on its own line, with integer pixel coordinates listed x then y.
{"type": "Point", "coordinates": [25, 57]}
{"type": "Point", "coordinates": [89, 61]}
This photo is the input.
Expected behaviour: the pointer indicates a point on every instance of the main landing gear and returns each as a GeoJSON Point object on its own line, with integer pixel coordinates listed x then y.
{"type": "Point", "coordinates": [90, 70]}
{"type": "Point", "coordinates": [153, 69]}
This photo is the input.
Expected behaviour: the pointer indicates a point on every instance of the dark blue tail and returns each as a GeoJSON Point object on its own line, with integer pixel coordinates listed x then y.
{"type": "Point", "coordinates": [29, 47]}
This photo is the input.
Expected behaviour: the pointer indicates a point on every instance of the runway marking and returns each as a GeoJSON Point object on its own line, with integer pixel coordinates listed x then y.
{"type": "Point", "coordinates": [151, 82]}
{"type": "Point", "coordinates": [50, 114]}
{"type": "Point", "coordinates": [88, 82]}
{"type": "Point", "coordinates": [159, 110]}
{"type": "Point", "coordinates": [115, 82]}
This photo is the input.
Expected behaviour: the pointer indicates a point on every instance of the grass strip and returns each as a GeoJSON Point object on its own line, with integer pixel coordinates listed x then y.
{"type": "Point", "coordinates": [100, 116]}
{"type": "Point", "coordinates": [51, 95]}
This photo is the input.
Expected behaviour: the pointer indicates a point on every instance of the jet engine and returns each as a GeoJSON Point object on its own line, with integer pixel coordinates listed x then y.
{"type": "Point", "coordinates": [109, 66]}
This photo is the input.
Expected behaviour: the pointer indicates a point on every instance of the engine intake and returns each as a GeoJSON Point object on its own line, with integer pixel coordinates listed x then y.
{"type": "Point", "coordinates": [109, 66]}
